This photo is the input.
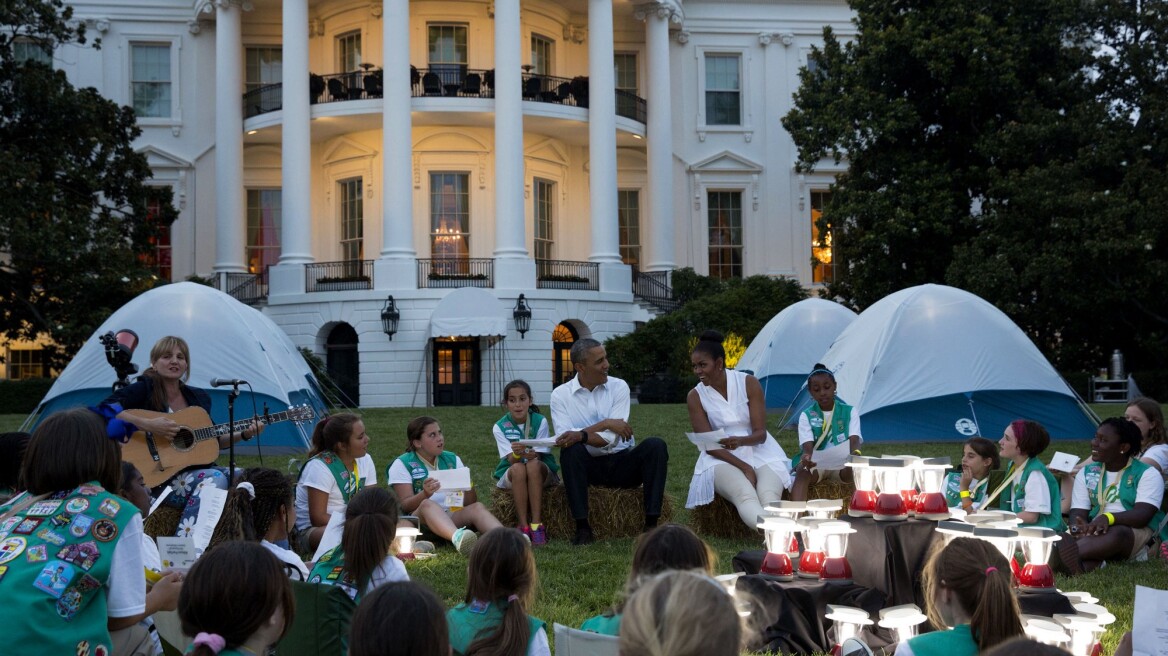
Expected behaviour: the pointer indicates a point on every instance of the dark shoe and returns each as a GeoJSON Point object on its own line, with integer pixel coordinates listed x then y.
{"type": "Point", "coordinates": [1065, 558]}
{"type": "Point", "coordinates": [583, 536]}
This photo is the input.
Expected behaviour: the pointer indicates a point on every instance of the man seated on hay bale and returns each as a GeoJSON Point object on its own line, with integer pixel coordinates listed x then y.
{"type": "Point", "coordinates": [591, 413]}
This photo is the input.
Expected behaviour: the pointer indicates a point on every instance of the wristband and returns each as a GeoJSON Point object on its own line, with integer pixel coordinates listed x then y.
{"type": "Point", "coordinates": [965, 494]}
{"type": "Point", "coordinates": [856, 452]}
{"type": "Point", "coordinates": [1110, 518]}
{"type": "Point", "coordinates": [584, 437]}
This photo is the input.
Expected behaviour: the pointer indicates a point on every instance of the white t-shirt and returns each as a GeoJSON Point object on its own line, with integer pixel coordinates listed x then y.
{"type": "Point", "coordinates": [575, 408]}
{"type": "Point", "coordinates": [1158, 453]}
{"type": "Point", "coordinates": [289, 557]}
{"type": "Point", "coordinates": [391, 569]}
{"type": "Point", "coordinates": [1149, 490]}
{"type": "Point", "coordinates": [504, 444]}
{"type": "Point", "coordinates": [833, 457]}
{"type": "Point", "coordinates": [1037, 495]}
{"type": "Point", "coordinates": [399, 475]}
{"type": "Point", "coordinates": [316, 475]}
{"type": "Point", "coordinates": [539, 644]}
{"type": "Point", "coordinates": [127, 586]}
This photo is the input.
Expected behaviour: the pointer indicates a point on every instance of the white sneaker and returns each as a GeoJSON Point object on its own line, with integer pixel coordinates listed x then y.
{"type": "Point", "coordinates": [464, 540]}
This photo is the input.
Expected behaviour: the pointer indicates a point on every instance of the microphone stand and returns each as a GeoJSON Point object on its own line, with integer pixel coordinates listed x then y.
{"type": "Point", "coordinates": [231, 432]}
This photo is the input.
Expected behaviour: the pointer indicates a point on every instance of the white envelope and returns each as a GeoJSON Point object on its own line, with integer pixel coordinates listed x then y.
{"type": "Point", "coordinates": [1064, 462]}
{"type": "Point", "coordinates": [452, 479]}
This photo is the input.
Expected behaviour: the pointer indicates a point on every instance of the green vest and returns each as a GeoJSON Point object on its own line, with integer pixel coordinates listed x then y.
{"type": "Point", "coordinates": [952, 489]}
{"type": "Point", "coordinates": [346, 482]}
{"type": "Point", "coordinates": [513, 433]}
{"type": "Point", "coordinates": [1128, 487]}
{"type": "Point", "coordinates": [837, 432]}
{"type": "Point", "coordinates": [467, 624]}
{"type": "Point", "coordinates": [1014, 496]}
{"type": "Point", "coordinates": [957, 641]}
{"type": "Point", "coordinates": [330, 570]}
{"type": "Point", "coordinates": [419, 472]}
{"type": "Point", "coordinates": [603, 624]}
{"type": "Point", "coordinates": [55, 559]}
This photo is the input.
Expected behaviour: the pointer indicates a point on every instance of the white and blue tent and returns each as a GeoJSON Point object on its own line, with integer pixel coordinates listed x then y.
{"type": "Point", "coordinates": [789, 345]}
{"type": "Point", "coordinates": [939, 363]}
{"type": "Point", "coordinates": [227, 340]}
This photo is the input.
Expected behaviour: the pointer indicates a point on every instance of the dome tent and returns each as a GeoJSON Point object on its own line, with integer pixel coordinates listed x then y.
{"type": "Point", "coordinates": [783, 352]}
{"type": "Point", "coordinates": [227, 340]}
{"type": "Point", "coordinates": [938, 363]}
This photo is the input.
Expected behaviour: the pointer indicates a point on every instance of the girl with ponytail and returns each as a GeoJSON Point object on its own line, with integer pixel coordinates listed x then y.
{"type": "Point", "coordinates": [492, 620]}
{"type": "Point", "coordinates": [365, 558]}
{"type": "Point", "coordinates": [967, 588]}
{"type": "Point", "coordinates": [261, 508]}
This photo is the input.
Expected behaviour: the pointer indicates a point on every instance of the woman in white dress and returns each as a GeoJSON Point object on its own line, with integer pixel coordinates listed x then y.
{"type": "Point", "coordinates": [751, 470]}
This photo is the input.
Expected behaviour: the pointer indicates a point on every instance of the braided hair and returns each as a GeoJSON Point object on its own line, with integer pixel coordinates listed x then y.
{"type": "Point", "coordinates": [251, 509]}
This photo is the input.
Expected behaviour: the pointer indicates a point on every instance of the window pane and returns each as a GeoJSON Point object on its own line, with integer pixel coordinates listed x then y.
{"type": "Point", "coordinates": [544, 195]}
{"type": "Point", "coordinates": [450, 216]}
{"type": "Point", "coordinates": [349, 51]}
{"type": "Point", "coordinates": [352, 220]}
{"type": "Point", "coordinates": [25, 49]}
{"type": "Point", "coordinates": [629, 218]}
{"type": "Point", "coordinates": [447, 51]}
{"type": "Point", "coordinates": [725, 234]}
{"type": "Point", "coordinates": [150, 80]}
{"type": "Point", "coordinates": [822, 264]}
{"type": "Point", "coordinates": [723, 95]}
{"type": "Point", "coordinates": [542, 50]}
{"type": "Point", "coordinates": [26, 363]}
{"type": "Point", "coordinates": [264, 66]}
{"type": "Point", "coordinates": [264, 212]}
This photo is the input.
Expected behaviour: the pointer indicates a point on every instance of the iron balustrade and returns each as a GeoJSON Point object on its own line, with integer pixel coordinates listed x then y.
{"type": "Point", "coordinates": [338, 276]}
{"type": "Point", "coordinates": [567, 274]}
{"type": "Point", "coordinates": [249, 288]}
{"type": "Point", "coordinates": [651, 286]}
{"type": "Point", "coordinates": [456, 272]}
{"type": "Point", "coordinates": [450, 81]}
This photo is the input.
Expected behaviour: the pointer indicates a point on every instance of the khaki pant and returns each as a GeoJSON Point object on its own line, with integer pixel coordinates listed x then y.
{"type": "Point", "coordinates": [731, 484]}
{"type": "Point", "coordinates": [132, 641]}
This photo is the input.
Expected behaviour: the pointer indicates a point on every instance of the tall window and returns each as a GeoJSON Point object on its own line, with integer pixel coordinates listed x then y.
{"type": "Point", "coordinates": [158, 258]}
{"type": "Point", "coordinates": [150, 79]}
{"type": "Point", "coordinates": [349, 51]}
{"type": "Point", "coordinates": [352, 220]}
{"type": "Point", "coordinates": [822, 266]}
{"type": "Point", "coordinates": [542, 53]}
{"type": "Point", "coordinates": [723, 90]}
{"type": "Point", "coordinates": [544, 192]}
{"type": "Point", "coordinates": [725, 234]}
{"type": "Point", "coordinates": [27, 363]}
{"type": "Point", "coordinates": [28, 50]}
{"type": "Point", "coordinates": [447, 51]}
{"type": "Point", "coordinates": [263, 66]}
{"type": "Point", "coordinates": [263, 229]}
{"type": "Point", "coordinates": [450, 216]}
{"type": "Point", "coordinates": [626, 83]}
{"type": "Point", "coordinates": [629, 217]}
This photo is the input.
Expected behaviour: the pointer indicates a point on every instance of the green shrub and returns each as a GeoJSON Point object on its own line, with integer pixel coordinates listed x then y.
{"type": "Point", "coordinates": [22, 396]}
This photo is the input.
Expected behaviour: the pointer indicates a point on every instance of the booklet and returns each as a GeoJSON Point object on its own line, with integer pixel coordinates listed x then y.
{"type": "Point", "coordinates": [210, 508]}
{"type": "Point", "coordinates": [176, 553]}
{"type": "Point", "coordinates": [452, 479]}
{"type": "Point", "coordinates": [1150, 622]}
{"type": "Point", "coordinates": [538, 444]}
{"type": "Point", "coordinates": [1064, 462]}
{"type": "Point", "coordinates": [710, 441]}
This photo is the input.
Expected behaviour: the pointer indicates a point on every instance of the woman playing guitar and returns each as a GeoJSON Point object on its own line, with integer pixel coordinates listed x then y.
{"type": "Point", "coordinates": [163, 388]}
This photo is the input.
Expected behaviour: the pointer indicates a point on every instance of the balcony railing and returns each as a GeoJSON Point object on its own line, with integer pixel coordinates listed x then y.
{"type": "Point", "coordinates": [249, 288]}
{"type": "Point", "coordinates": [653, 288]}
{"type": "Point", "coordinates": [451, 81]}
{"type": "Point", "coordinates": [456, 272]}
{"type": "Point", "coordinates": [566, 274]}
{"type": "Point", "coordinates": [338, 276]}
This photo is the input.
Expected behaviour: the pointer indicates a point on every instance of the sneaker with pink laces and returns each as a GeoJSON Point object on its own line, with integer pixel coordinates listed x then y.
{"type": "Point", "coordinates": [526, 531]}
{"type": "Point", "coordinates": [539, 536]}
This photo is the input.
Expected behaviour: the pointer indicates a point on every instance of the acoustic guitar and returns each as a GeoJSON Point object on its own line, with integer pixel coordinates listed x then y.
{"type": "Point", "coordinates": [196, 443]}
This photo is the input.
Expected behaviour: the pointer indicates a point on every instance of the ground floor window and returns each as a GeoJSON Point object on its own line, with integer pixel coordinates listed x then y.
{"type": "Point", "coordinates": [27, 363]}
{"type": "Point", "coordinates": [724, 213]}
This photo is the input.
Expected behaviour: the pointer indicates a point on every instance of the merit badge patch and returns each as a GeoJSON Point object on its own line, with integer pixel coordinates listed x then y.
{"type": "Point", "coordinates": [10, 548]}
{"type": "Point", "coordinates": [80, 525]}
{"type": "Point", "coordinates": [83, 555]}
{"type": "Point", "coordinates": [109, 507]}
{"type": "Point", "coordinates": [43, 508]}
{"type": "Point", "coordinates": [89, 490]}
{"type": "Point", "coordinates": [37, 554]}
{"type": "Point", "coordinates": [104, 530]}
{"type": "Point", "coordinates": [77, 505]}
{"type": "Point", "coordinates": [83, 648]}
{"type": "Point", "coordinates": [49, 536]}
{"type": "Point", "coordinates": [54, 578]}
{"type": "Point", "coordinates": [27, 526]}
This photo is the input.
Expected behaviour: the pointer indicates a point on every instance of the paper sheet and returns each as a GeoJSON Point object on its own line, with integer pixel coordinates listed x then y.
{"type": "Point", "coordinates": [1150, 622]}
{"type": "Point", "coordinates": [452, 479]}
{"type": "Point", "coordinates": [332, 535]}
{"type": "Point", "coordinates": [161, 497]}
{"type": "Point", "coordinates": [176, 553]}
{"type": "Point", "coordinates": [1064, 462]}
{"type": "Point", "coordinates": [211, 503]}
{"type": "Point", "coordinates": [708, 441]}
{"type": "Point", "coordinates": [538, 444]}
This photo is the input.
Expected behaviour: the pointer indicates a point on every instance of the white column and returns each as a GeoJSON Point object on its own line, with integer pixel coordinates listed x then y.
{"type": "Point", "coordinates": [230, 226]}
{"type": "Point", "coordinates": [602, 133]}
{"type": "Point", "coordinates": [396, 268]}
{"type": "Point", "coordinates": [659, 132]}
{"type": "Point", "coordinates": [295, 156]}
{"type": "Point", "coordinates": [510, 237]}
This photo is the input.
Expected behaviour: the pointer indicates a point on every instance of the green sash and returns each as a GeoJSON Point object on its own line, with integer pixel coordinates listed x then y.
{"type": "Point", "coordinates": [330, 570]}
{"type": "Point", "coordinates": [346, 481]}
{"type": "Point", "coordinates": [1014, 496]}
{"type": "Point", "coordinates": [830, 435]}
{"type": "Point", "coordinates": [1127, 489]}
{"type": "Point", "coordinates": [513, 433]}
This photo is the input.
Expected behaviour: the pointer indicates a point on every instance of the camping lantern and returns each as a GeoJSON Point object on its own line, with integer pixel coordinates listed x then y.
{"type": "Point", "coordinates": [1084, 631]}
{"type": "Point", "coordinates": [864, 477]}
{"type": "Point", "coordinates": [908, 482]}
{"type": "Point", "coordinates": [778, 532]}
{"type": "Point", "coordinates": [950, 529]}
{"type": "Point", "coordinates": [931, 502]}
{"type": "Point", "coordinates": [1044, 631]}
{"type": "Point", "coordinates": [1004, 539]}
{"type": "Point", "coordinates": [902, 620]}
{"type": "Point", "coordinates": [846, 622]}
{"type": "Point", "coordinates": [791, 510]}
{"type": "Point", "coordinates": [890, 505]}
{"type": "Point", "coordinates": [836, 568]}
{"type": "Point", "coordinates": [405, 541]}
{"type": "Point", "coordinates": [1037, 543]}
{"type": "Point", "coordinates": [824, 508]}
{"type": "Point", "coordinates": [811, 560]}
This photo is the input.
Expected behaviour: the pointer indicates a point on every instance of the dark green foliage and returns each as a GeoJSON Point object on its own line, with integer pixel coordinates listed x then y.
{"type": "Point", "coordinates": [22, 396]}
{"type": "Point", "coordinates": [662, 345]}
{"type": "Point", "coordinates": [73, 194]}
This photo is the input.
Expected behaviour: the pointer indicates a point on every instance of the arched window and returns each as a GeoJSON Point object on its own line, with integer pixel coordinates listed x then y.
{"type": "Point", "coordinates": [562, 339]}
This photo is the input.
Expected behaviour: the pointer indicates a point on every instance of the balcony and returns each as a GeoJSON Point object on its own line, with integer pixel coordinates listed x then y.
{"type": "Point", "coordinates": [338, 276]}
{"type": "Point", "coordinates": [446, 272]}
{"type": "Point", "coordinates": [249, 288]}
{"type": "Point", "coordinates": [567, 274]}
{"type": "Point", "coordinates": [439, 82]}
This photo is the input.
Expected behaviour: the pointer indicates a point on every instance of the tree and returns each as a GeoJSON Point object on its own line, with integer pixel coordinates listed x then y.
{"type": "Point", "coordinates": [77, 219]}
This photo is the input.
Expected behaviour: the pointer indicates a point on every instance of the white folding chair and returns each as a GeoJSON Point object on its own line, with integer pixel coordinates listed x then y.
{"type": "Point", "coordinates": [574, 642]}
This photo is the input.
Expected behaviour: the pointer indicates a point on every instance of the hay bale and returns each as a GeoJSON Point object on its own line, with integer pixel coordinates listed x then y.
{"type": "Point", "coordinates": [163, 521]}
{"type": "Point", "coordinates": [720, 519]}
{"type": "Point", "coordinates": [612, 512]}
{"type": "Point", "coordinates": [833, 490]}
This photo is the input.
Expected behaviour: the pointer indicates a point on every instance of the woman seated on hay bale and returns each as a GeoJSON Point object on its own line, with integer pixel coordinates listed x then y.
{"type": "Point", "coordinates": [752, 469]}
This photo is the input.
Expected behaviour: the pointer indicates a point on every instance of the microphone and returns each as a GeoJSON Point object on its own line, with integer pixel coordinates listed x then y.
{"type": "Point", "coordinates": [220, 382]}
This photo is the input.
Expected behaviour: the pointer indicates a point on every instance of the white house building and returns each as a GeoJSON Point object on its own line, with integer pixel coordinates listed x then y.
{"type": "Point", "coordinates": [458, 155]}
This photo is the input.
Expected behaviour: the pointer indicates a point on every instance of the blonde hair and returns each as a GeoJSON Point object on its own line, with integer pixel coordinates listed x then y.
{"type": "Point", "coordinates": [680, 613]}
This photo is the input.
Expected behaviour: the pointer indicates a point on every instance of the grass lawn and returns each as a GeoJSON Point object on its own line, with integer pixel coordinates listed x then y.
{"type": "Point", "coordinates": [576, 583]}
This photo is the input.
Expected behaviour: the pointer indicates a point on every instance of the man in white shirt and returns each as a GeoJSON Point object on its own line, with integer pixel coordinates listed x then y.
{"type": "Point", "coordinates": [591, 414]}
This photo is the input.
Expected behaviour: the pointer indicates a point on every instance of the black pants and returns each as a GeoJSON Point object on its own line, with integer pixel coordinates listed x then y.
{"type": "Point", "coordinates": [643, 464]}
